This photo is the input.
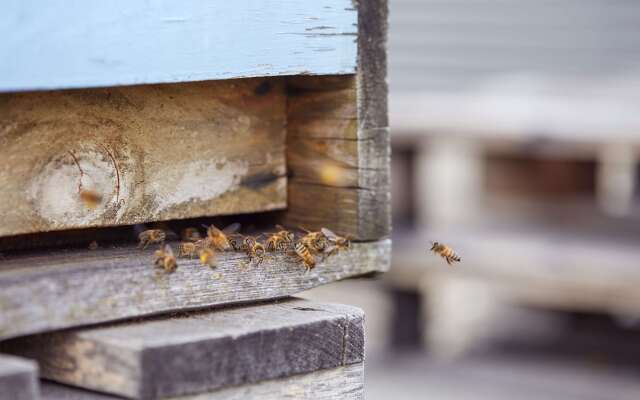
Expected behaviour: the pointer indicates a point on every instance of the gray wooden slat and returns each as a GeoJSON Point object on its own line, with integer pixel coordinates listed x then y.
{"type": "Point", "coordinates": [345, 383]}
{"type": "Point", "coordinates": [59, 289]}
{"type": "Point", "coordinates": [201, 351]}
{"type": "Point", "coordinates": [18, 379]}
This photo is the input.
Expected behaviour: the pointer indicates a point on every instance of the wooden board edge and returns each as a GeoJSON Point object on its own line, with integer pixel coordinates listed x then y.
{"type": "Point", "coordinates": [71, 289]}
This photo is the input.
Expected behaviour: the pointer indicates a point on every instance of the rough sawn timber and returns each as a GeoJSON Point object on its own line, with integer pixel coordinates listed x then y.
{"type": "Point", "coordinates": [18, 378]}
{"type": "Point", "coordinates": [202, 351]}
{"type": "Point", "coordinates": [150, 152]}
{"type": "Point", "coordinates": [344, 383]}
{"type": "Point", "coordinates": [59, 289]}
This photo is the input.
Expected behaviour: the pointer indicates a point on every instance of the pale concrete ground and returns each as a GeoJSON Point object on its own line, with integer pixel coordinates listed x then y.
{"type": "Point", "coordinates": [530, 354]}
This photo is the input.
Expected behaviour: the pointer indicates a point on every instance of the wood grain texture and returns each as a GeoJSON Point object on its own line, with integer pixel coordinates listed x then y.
{"type": "Point", "coordinates": [339, 164]}
{"type": "Point", "coordinates": [345, 383]}
{"type": "Point", "coordinates": [338, 141]}
{"type": "Point", "coordinates": [60, 289]}
{"type": "Point", "coordinates": [151, 152]}
{"type": "Point", "coordinates": [202, 351]}
{"type": "Point", "coordinates": [135, 42]}
{"type": "Point", "coordinates": [18, 379]}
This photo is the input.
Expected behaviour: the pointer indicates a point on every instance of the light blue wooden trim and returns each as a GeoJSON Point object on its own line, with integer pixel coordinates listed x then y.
{"type": "Point", "coordinates": [52, 44]}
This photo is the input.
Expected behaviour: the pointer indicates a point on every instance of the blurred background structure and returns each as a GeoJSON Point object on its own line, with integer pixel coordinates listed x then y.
{"type": "Point", "coordinates": [515, 133]}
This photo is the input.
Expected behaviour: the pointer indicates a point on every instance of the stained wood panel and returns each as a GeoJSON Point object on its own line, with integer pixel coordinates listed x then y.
{"type": "Point", "coordinates": [149, 153]}
{"type": "Point", "coordinates": [18, 378]}
{"type": "Point", "coordinates": [339, 167]}
{"type": "Point", "coordinates": [345, 383]}
{"type": "Point", "coordinates": [60, 289]}
{"type": "Point", "coordinates": [129, 42]}
{"type": "Point", "coordinates": [202, 351]}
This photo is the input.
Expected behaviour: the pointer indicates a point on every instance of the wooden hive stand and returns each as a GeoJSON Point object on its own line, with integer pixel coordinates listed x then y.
{"type": "Point", "coordinates": [132, 116]}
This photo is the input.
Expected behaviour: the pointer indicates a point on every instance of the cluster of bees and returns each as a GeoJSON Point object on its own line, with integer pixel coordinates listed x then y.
{"type": "Point", "coordinates": [305, 245]}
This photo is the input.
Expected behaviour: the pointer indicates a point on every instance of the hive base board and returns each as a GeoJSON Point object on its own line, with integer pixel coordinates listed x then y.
{"type": "Point", "coordinates": [345, 383]}
{"type": "Point", "coordinates": [61, 289]}
{"type": "Point", "coordinates": [200, 351]}
{"type": "Point", "coordinates": [18, 379]}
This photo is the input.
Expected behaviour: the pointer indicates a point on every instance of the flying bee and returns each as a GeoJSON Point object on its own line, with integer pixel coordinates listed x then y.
{"type": "Point", "coordinates": [305, 255]}
{"type": "Point", "coordinates": [151, 236]}
{"type": "Point", "coordinates": [316, 242]}
{"type": "Point", "coordinates": [336, 242]}
{"type": "Point", "coordinates": [445, 252]}
{"type": "Point", "coordinates": [165, 259]}
{"type": "Point", "coordinates": [219, 238]}
{"type": "Point", "coordinates": [90, 198]}
{"type": "Point", "coordinates": [190, 234]}
{"type": "Point", "coordinates": [208, 257]}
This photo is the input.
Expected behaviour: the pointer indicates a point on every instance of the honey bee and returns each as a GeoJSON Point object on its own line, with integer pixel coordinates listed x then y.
{"type": "Point", "coordinates": [151, 236]}
{"type": "Point", "coordinates": [219, 239]}
{"type": "Point", "coordinates": [316, 242]}
{"type": "Point", "coordinates": [236, 241]}
{"type": "Point", "coordinates": [445, 252]}
{"type": "Point", "coordinates": [164, 258]}
{"type": "Point", "coordinates": [190, 234]}
{"type": "Point", "coordinates": [253, 248]}
{"type": "Point", "coordinates": [336, 242]}
{"type": "Point", "coordinates": [208, 257]}
{"type": "Point", "coordinates": [189, 249]}
{"type": "Point", "coordinates": [280, 240]}
{"type": "Point", "coordinates": [90, 198]}
{"type": "Point", "coordinates": [305, 255]}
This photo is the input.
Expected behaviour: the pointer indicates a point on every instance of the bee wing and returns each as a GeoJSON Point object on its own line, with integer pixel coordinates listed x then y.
{"type": "Point", "coordinates": [167, 250]}
{"type": "Point", "coordinates": [328, 233]}
{"type": "Point", "coordinates": [233, 228]}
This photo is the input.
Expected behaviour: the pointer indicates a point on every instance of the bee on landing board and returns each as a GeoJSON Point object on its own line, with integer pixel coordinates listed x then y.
{"type": "Point", "coordinates": [190, 249]}
{"type": "Point", "coordinates": [165, 259]}
{"type": "Point", "coordinates": [336, 243]}
{"type": "Point", "coordinates": [280, 240]}
{"type": "Point", "coordinates": [208, 257]}
{"type": "Point", "coordinates": [316, 242]}
{"type": "Point", "coordinates": [219, 238]}
{"type": "Point", "coordinates": [305, 255]}
{"type": "Point", "coordinates": [151, 236]}
{"type": "Point", "coordinates": [253, 249]}
{"type": "Point", "coordinates": [445, 252]}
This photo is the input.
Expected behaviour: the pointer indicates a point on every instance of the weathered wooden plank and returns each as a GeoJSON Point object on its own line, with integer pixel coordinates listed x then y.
{"type": "Point", "coordinates": [60, 289]}
{"type": "Point", "coordinates": [202, 351]}
{"type": "Point", "coordinates": [338, 167]}
{"type": "Point", "coordinates": [337, 149]}
{"type": "Point", "coordinates": [133, 42]}
{"type": "Point", "coordinates": [345, 382]}
{"type": "Point", "coordinates": [18, 379]}
{"type": "Point", "coordinates": [150, 152]}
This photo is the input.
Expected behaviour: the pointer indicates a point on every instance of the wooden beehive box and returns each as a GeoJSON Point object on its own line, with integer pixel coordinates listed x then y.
{"type": "Point", "coordinates": [174, 112]}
